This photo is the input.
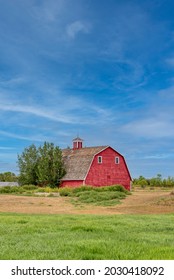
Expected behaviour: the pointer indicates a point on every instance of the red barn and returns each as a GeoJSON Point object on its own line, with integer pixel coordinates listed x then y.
{"type": "Point", "coordinates": [95, 166]}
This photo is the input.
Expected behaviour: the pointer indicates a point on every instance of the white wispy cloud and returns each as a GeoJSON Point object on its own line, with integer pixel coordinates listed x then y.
{"type": "Point", "coordinates": [150, 128]}
{"type": "Point", "coordinates": [158, 156]}
{"type": "Point", "coordinates": [6, 148]}
{"type": "Point", "coordinates": [34, 138]}
{"type": "Point", "coordinates": [170, 61]}
{"type": "Point", "coordinates": [13, 81]}
{"type": "Point", "coordinates": [57, 107]}
{"type": "Point", "coordinates": [87, 66]}
{"type": "Point", "coordinates": [76, 27]}
{"type": "Point", "coordinates": [39, 112]}
{"type": "Point", "coordinates": [48, 11]}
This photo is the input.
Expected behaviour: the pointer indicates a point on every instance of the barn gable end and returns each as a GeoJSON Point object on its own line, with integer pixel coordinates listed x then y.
{"type": "Point", "coordinates": [106, 171]}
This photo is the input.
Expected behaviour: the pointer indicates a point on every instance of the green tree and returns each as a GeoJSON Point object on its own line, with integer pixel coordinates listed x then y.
{"type": "Point", "coordinates": [27, 163]}
{"type": "Point", "coordinates": [141, 181]}
{"type": "Point", "coordinates": [156, 181]}
{"type": "Point", "coordinates": [169, 182]}
{"type": "Point", "coordinates": [43, 165]}
{"type": "Point", "coordinates": [50, 167]}
{"type": "Point", "coordinates": [8, 177]}
{"type": "Point", "coordinates": [159, 179]}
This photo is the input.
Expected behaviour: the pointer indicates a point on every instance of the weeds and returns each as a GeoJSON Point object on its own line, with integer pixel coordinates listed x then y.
{"type": "Point", "coordinates": [104, 196]}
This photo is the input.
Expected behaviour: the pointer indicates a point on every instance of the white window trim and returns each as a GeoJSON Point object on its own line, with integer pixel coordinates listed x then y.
{"type": "Point", "coordinates": [99, 159]}
{"type": "Point", "coordinates": [117, 160]}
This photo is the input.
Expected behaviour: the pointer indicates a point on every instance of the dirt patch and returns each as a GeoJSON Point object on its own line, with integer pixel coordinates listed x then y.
{"type": "Point", "coordinates": [140, 202]}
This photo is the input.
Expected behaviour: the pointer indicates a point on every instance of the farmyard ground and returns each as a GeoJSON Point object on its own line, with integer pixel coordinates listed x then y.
{"type": "Point", "coordinates": [140, 202]}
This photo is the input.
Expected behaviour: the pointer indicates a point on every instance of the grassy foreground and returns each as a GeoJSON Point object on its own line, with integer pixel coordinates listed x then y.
{"type": "Point", "coordinates": [86, 237]}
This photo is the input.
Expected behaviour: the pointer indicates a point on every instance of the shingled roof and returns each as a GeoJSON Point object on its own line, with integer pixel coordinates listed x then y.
{"type": "Point", "coordinates": [77, 162]}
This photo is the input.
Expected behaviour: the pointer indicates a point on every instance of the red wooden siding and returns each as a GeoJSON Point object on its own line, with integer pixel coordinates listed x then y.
{"type": "Point", "coordinates": [108, 172]}
{"type": "Point", "coordinates": [72, 183]}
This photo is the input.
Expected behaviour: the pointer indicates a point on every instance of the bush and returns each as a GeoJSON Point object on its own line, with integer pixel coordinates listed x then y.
{"type": "Point", "coordinates": [65, 191]}
{"type": "Point", "coordinates": [40, 190]}
{"type": "Point", "coordinates": [29, 187]}
{"type": "Point", "coordinates": [21, 189]}
{"type": "Point", "coordinates": [109, 195]}
{"type": "Point", "coordinates": [95, 197]}
{"type": "Point", "coordinates": [8, 189]}
{"type": "Point", "coordinates": [82, 189]}
{"type": "Point", "coordinates": [116, 188]}
{"type": "Point", "coordinates": [47, 189]}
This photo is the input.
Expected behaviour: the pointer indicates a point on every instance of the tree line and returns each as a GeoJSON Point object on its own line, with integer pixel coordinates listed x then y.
{"type": "Point", "coordinates": [8, 177]}
{"type": "Point", "coordinates": [156, 181]}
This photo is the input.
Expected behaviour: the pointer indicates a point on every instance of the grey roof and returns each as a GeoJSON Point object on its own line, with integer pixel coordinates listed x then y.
{"type": "Point", "coordinates": [11, 184]}
{"type": "Point", "coordinates": [77, 139]}
{"type": "Point", "coordinates": [77, 162]}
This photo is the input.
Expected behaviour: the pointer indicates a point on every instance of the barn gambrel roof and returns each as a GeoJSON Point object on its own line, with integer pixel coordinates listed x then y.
{"type": "Point", "coordinates": [78, 161]}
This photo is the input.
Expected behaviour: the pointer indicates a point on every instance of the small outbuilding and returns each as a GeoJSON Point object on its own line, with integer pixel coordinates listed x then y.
{"type": "Point", "coordinates": [95, 166]}
{"type": "Point", "coordinates": [9, 184]}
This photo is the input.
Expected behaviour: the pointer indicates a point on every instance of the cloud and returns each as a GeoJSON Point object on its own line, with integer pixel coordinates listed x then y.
{"type": "Point", "coordinates": [58, 107]}
{"type": "Point", "coordinates": [36, 138]}
{"type": "Point", "coordinates": [89, 68]}
{"type": "Point", "coordinates": [170, 61]}
{"type": "Point", "coordinates": [158, 156]}
{"type": "Point", "coordinates": [39, 112]}
{"type": "Point", "coordinates": [14, 81]}
{"type": "Point", "coordinates": [6, 148]}
{"type": "Point", "coordinates": [150, 128]}
{"type": "Point", "coordinates": [77, 27]}
{"type": "Point", "coordinates": [48, 10]}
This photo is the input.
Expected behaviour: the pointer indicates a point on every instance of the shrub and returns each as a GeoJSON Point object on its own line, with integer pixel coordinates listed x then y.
{"type": "Point", "coordinates": [82, 189]}
{"type": "Point", "coordinates": [29, 187]}
{"type": "Point", "coordinates": [117, 188]}
{"type": "Point", "coordinates": [105, 196]}
{"type": "Point", "coordinates": [86, 191]}
{"type": "Point", "coordinates": [65, 191]}
{"type": "Point", "coordinates": [8, 189]}
{"type": "Point", "coordinates": [48, 189]}
{"type": "Point", "coordinates": [95, 197]}
{"type": "Point", "coordinates": [17, 190]}
{"type": "Point", "coordinates": [41, 190]}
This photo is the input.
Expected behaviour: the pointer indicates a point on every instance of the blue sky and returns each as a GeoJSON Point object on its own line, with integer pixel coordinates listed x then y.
{"type": "Point", "coordinates": [101, 69]}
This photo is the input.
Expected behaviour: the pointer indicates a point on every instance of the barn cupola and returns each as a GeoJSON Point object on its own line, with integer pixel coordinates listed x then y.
{"type": "Point", "coordinates": [77, 143]}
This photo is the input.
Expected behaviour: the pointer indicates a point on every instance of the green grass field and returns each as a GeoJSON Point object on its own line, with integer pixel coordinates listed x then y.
{"type": "Point", "coordinates": [86, 237]}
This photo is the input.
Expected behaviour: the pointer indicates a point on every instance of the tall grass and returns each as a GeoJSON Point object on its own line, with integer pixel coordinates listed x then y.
{"type": "Point", "coordinates": [86, 237]}
{"type": "Point", "coordinates": [16, 190]}
{"type": "Point", "coordinates": [104, 196]}
{"type": "Point", "coordinates": [86, 194]}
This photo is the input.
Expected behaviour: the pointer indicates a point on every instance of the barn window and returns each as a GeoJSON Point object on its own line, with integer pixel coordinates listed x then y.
{"type": "Point", "coordinates": [117, 160]}
{"type": "Point", "coordinates": [99, 159]}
